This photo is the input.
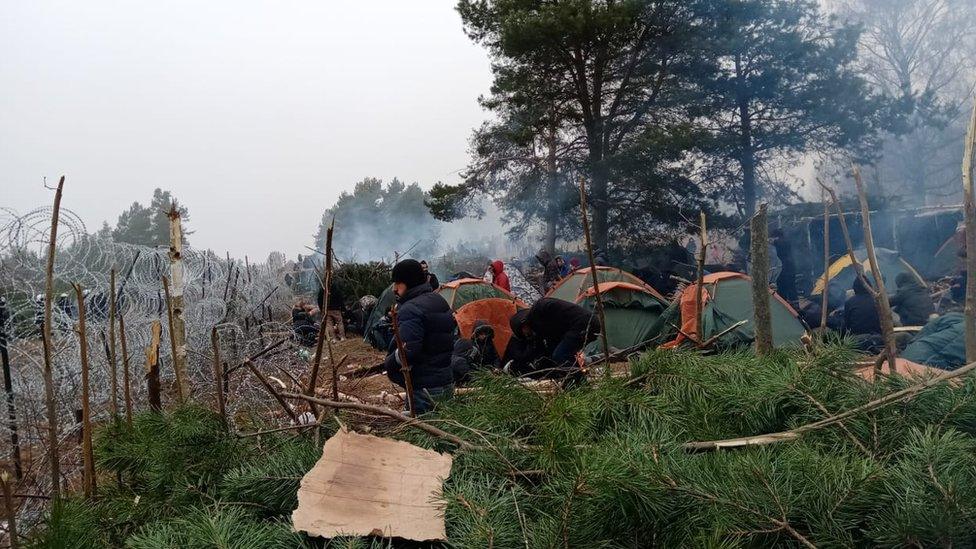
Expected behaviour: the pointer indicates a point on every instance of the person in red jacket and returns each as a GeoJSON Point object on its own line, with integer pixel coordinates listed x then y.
{"type": "Point", "coordinates": [499, 277]}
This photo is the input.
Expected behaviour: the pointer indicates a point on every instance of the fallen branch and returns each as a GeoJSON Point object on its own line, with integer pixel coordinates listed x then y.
{"type": "Point", "coordinates": [381, 410]}
{"type": "Point", "coordinates": [793, 434]}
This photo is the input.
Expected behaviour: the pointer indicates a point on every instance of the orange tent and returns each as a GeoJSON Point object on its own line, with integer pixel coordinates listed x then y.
{"type": "Point", "coordinates": [495, 311]}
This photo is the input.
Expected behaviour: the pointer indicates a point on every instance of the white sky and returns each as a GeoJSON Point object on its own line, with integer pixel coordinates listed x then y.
{"type": "Point", "coordinates": [256, 114]}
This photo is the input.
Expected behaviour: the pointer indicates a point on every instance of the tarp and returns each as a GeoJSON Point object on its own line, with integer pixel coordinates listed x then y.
{"type": "Point", "coordinates": [365, 485]}
{"type": "Point", "coordinates": [841, 274]}
{"type": "Point", "coordinates": [940, 344]}
{"type": "Point", "coordinates": [727, 300]}
{"type": "Point", "coordinates": [631, 313]}
{"type": "Point", "coordinates": [579, 281]}
{"type": "Point", "coordinates": [459, 293]}
{"type": "Point", "coordinates": [496, 312]}
{"type": "Point", "coordinates": [383, 305]}
{"type": "Point", "coordinates": [521, 287]}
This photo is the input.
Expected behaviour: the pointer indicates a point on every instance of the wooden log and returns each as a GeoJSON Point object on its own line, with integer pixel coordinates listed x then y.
{"type": "Point", "coordinates": [178, 322]}
{"type": "Point", "coordinates": [969, 217]}
{"type": "Point", "coordinates": [112, 364]}
{"type": "Point", "coordinates": [87, 453]}
{"type": "Point", "coordinates": [218, 374]}
{"type": "Point", "coordinates": [152, 368]}
{"type": "Point", "coordinates": [880, 294]}
{"type": "Point", "coordinates": [759, 249]}
{"type": "Point", "coordinates": [593, 272]}
{"type": "Point", "coordinates": [323, 338]}
{"type": "Point", "coordinates": [126, 381]}
{"type": "Point", "coordinates": [8, 388]}
{"type": "Point", "coordinates": [53, 456]}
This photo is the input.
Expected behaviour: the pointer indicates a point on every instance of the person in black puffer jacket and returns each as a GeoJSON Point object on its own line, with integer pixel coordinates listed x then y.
{"type": "Point", "coordinates": [428, 330]}
{"type": "Point", "coordinates": [912, 301]}
{"type": "Point", "coordinates": [861, 319]}
{"type": "Point", "coordinates": [552, 329]}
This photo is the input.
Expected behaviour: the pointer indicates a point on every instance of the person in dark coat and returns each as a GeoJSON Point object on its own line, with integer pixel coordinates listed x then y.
{"type": "Point", "coordinates": [552, 329]}
{"type": "Point", "coordinates": [861, 318]}
{"type": "Point", "coordinates": [303, 328]}
{"type": "Point", "coordinates": [550, 270]}
{"type": "Point", "coordinates": [912, 301]}
{"type": "Point", "coordinates": [428, 331]}
{"type": "Point", "coordinates": [332, 311]}
{"type": "Point", "coordinates": [477, 353]}
{"type": "Point", "coordinates": [431, 277]}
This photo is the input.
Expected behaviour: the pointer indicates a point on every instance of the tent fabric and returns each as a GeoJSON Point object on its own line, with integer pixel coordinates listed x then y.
{"type": "Point", "coordinates": [521, 287]}
{"type": "Point", "coordinates": [841, 273]}
{"type": "Point", "coordinates": [727, 299]}
{"type": "Point", "coordinates": [383, 305]}
{"type": "Point", "coordinates": [459, 293]}
{"type": "Point", "coordinates": [496, 312]}
{"type": "Point", "coordinates": [579, 281]}
{"type": "Point", "coordinates": [631, 313]}
{"type": "Point", "coordinates": [941, 343]}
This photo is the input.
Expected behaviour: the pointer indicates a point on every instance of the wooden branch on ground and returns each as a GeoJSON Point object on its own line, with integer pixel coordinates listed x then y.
{"type": "Point", "coordinates": [793, 434]}
{"type": "Point", "coordinates": [381, 410]}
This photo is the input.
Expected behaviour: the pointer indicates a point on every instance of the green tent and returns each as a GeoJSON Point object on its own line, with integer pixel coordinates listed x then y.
{"type": "Point", "coordinates": [940, 344]}
{"type": "Point", "coordinates": [579, 281]}
{"type": "Point", "coordinates": [727, 299]}
{"type": "Point", "coordinates": [631, 313]}
{"type": "Point", "coordinates": [459, 293]}
{"type": "Point", "coordinates": [383, 305]}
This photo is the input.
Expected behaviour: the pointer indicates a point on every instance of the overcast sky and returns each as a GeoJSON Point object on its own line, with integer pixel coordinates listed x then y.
{"type": "Point", "coordinates": [256, 114]}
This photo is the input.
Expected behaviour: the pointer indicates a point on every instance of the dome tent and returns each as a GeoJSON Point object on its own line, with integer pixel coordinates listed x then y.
{"type": "Point", "coordinates": [631, 313]}
{"type": "Point", "coordinates": [459, 293]}
{"type": "Point", "coordinates": [841, 273]}
{"type": "Point", "coordinates": [576, 283]}
{"type": "Point", "coordinates": [493, 310]}
{"type": "Point", "coordinates": [727, 300]}
{"type": "Point", "coordinates": [383, 305]}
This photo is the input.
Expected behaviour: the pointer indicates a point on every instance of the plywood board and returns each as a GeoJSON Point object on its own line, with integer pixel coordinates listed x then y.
{"type": "Point", "coordinates": [367, 485]}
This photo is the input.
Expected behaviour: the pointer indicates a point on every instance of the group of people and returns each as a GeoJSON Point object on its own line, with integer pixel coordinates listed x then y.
{"type": "Point", "coordinates": [546, 339]}
{"type": "Point", "coordinates": [555, 268]}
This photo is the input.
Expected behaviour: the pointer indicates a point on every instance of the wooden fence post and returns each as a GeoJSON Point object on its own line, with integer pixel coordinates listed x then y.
{"type": "Point", "coordinates": [126, 381]}
{"type": "Point", "coordinates": [53, 455]}
{"type": "Point", "coordinates": [88, 457]}
{"type": "Point", "coordinates": [969, 216]}
{"type": "Point", "coordinates": [8, 388]}
{"type": "Point", "coordinates": [177, 324]}
{"type": "Point", "coordinates": [152, 368]}
{"type": "Point", "coordinates": [759, 249]}
{"type": "Point", "coordinates": [218, 373]}
{"type": "Point", "coordinates": [593, 273]}
{"type": "Point", "coordinates": [112, 364]}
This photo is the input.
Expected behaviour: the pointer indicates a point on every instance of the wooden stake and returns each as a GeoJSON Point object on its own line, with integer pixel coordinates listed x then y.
{"type": "Point", "coordinates": [218, 373]}
{"type": "Point", "coordinates": [126, 382]}
{"type": "Point", "coordinates": [88, 456]}
{"type": "Point", "coordinates": [11, 510]}
{"type": "Point", "coordinates": [152, 368]}
{"type": "Point", "coordinates": [759, 249]}
{"type": "Point", "coordinates": [323, 339]}
{"type": "Point", "coordinates": [880, 294]}
{"type": "Point", "coordinates": [8, 388]}
{"type": "Point", "coordinates": [112, 364]}
{"type": "Point", "coordinates": [969, 217]}
{"type": "Point", "coordinates": [593, 273]}
{"type": "Point", "coordinates": [175, 300]}
{"type": "Point", "coordinates": [51, 404]}
{"type": "Point", "coordinates": [700, 280]}
{"type": "Point", "coordinates": [401, 351]}
{"type": "Point", "coordinates": [824, 303]}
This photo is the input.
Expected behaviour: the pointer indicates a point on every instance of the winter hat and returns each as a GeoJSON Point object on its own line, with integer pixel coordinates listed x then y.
{"type": "Point", "coordinates": [409, 272]}
{"type": "Point", "coordinates": [517, 321]}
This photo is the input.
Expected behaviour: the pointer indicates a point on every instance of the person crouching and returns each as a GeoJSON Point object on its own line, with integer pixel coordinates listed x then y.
{"type": "Point", "coordinates": [427, 330]}
{"type": "Point", "coordinates": [552, 330]}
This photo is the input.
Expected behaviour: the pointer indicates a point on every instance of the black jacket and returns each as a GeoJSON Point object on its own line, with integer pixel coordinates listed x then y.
{"type": "Point", "coordinates": [553, 319]}
{"type": "Point", "coordinates": [860, 313]}
{"type": "Point", "coordinates": [913, 303]}
{"type": "Point", "coordinates": [432, 280]}
{"type": "Point", "coordinates": [336, 299]}
{"type": "Point", "coordinates": [428, 331]}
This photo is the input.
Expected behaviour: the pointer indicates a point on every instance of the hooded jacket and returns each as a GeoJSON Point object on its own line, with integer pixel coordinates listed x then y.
{"type": "Point", "coordinates": [499, 277]}
{"type": "Point", "coordinates": [860, 312]}
{"type": "Point", "coordinates": [912, 301]}
{"type": "Point", "coordinates": [552, 319]}
{"type": "Point", "coordinates": [428, 331]}
{"type": "Point", "coordinates": [550, 271]}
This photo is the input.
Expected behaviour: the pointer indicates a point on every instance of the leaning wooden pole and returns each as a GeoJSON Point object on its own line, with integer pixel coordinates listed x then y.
{"type": "Point", "coordinates": [177, 323]}
{"type": "Point", "coordinates": [87, 454]}
{"type": "Point", "coordinates": [401, 354]}
{"type": "Point", "coordinates": [759, 250]}
{"type": "Point", "coordinates": [880, 294]}
{"type": "Point", "coordinates": [594, 272]}
{"type": "Point", "coordinates": [327, 295]}
{"type": "Point", "coordinates": [969, 216]}
{"type": "Point", "coordinates": [126, 381]}
{"type": "Point", "coordinates": [700, 280]}
{"type": "Point", "coordinates": [112, 364]}
{"type": "Point", "coordinates": [8, 388]}
{"type": "Point", "coordinates": [824, 303]}
{"type": "Point", "coordinates": [53, 455]}
{"type": "Point", "coordinates": [218, 373]}
{"type": "Point", "coordinates": [322, 339]}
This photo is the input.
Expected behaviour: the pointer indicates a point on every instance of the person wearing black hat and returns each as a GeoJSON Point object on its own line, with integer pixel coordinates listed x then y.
{"type": "Point", "coordinates": [428, 330]}
{"type": "Point", "coordinates": [431, 277]}
{"type": "Point", "coordinates": [552, 329]}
